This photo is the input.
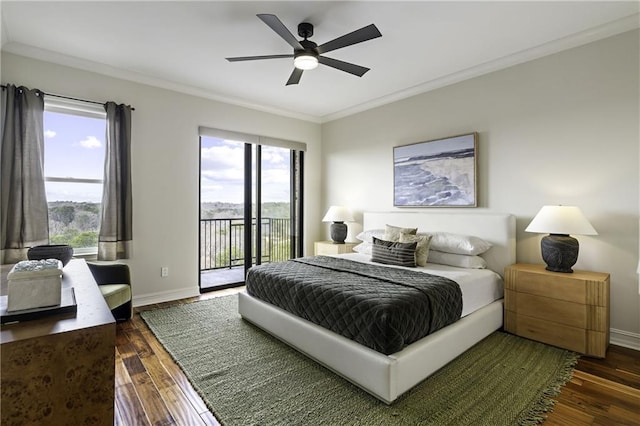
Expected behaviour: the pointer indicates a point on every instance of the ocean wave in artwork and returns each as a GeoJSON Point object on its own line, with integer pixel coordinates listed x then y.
{"type": "Point", "coordinates": [443, 179]}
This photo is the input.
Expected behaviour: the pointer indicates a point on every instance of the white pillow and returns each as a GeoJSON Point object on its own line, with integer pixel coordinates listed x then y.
{"type": "Point", "coordinates": [422, 249]}
{"type": "Point", "coordinates": [364, 248]}
{"type": "Point", "coordinates": [459, 260]}
{"type": "Point", "coordinates": [367, 236]}
{"type": "Point", "coordinates": [458, 244]}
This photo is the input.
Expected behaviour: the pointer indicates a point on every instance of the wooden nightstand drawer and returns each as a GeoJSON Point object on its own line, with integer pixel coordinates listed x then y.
{"type": "Point", "coordinates": [579, 287]}
{"type": "Point", "coordinates": [562, 312]}
{"type": "Point", "coordinates": [564, 336]}
{"type": "Point", "coordinates": [561, 288]}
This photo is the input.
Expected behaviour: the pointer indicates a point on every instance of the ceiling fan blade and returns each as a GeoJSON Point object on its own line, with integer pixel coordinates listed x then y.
{"type": "Point", "coordinates": [358, 36]}
{"type": "Point", "coordinates": [276, 25]}
{"type": "Point", "coordinates": [254, 58]}
{"type": "Point", "coordinates": [295, 77]}
{"type": "Point", "coordinates": [343, 66]}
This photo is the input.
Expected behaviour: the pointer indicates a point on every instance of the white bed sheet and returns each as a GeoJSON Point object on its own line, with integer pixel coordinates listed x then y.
{"type": "Point", "coordinates": [480, 287]}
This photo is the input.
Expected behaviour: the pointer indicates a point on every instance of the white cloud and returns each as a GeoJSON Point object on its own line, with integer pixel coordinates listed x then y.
{"type": "Point", "coordinates": [90, 142]}
{"type": "Point", "coordinates": [275, 176]}
{"type": "Point", "coordinates": [222, 172]}
{"type": "Point", "coordinates": [273, 155]}
{"type": "Point", "coordinates": [223, 175]}
{"type": "Point", "coordinates": [222, 156]}
{"type": "Point", "coordinates": [49, 134]}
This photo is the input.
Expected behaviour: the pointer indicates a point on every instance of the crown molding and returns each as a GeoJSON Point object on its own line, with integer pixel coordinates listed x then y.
{"type": "Point", "coordinates": [597, 33]}
{"type": "Point", "coordinates": [109, 71]}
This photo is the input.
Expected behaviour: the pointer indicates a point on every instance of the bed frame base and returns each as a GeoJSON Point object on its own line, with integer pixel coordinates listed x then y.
{"type": "Point", "coordinates": [385, 377]}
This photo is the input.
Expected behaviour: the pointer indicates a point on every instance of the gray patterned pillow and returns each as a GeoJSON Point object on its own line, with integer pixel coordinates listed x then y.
{"type": "Point", "coordinates": [394, 253]}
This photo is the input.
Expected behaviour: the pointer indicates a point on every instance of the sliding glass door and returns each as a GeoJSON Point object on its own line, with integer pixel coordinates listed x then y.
{"type": "Point", "coordinates": [250, 208]}
{"type": "Point", "coordinates": [221, 212]}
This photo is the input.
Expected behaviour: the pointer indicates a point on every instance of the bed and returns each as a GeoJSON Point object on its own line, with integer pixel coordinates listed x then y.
{"type": "Point", "coordinates": [389, 376]}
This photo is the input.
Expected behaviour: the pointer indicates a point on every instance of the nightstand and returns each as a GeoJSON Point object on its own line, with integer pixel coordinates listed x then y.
{"type": "Point", "coordinates": [568, 310]}
{"type": "Point", "coordinates": [329, 247]}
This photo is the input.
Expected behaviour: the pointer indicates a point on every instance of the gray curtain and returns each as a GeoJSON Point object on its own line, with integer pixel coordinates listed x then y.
{"type": "Point", "coordinates": [114, 241]}
{"type": "Point", "coordinates": [24, 212]}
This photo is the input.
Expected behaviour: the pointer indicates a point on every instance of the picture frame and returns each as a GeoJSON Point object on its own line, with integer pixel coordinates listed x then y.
{"type": "Point", "coordinates": [436, 173]}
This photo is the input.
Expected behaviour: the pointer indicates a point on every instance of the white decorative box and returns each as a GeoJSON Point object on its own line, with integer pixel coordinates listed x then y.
{"type": "Point", "coordinates": [34, 284]}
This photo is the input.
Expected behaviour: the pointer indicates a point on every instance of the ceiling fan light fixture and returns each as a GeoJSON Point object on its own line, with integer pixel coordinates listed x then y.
{"type": "Point", "coordinates": [307, 54]}
{"type": "Point", "coordinates": [305, 61]}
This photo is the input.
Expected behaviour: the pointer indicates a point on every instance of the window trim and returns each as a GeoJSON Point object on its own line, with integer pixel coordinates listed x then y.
{"type": "Point", "coordinates": [72, 180]}
{"type": "Point", "coordinates": [82, 109]}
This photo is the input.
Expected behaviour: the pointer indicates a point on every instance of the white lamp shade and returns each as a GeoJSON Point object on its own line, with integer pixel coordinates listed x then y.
{"type": "Point", "coordinates": [338, 214]}
{"type": "Point", "coordinates": [561, 220]}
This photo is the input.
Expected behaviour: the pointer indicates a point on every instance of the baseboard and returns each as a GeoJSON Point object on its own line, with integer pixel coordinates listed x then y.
{"type": "Point", "coordinates": [624, 338]}
{"type": "Point", "coordinates": [165, 296]}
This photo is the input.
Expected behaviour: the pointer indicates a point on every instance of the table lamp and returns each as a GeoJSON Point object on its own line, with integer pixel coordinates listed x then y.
{"type": "Point", "coordinates": [338, 215]}
{"type": "Point", "coordinates": [559, 249]}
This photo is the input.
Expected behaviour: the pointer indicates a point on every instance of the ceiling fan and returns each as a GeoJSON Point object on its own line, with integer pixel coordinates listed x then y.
{"type": "Point", "coordinates": [307, 54]}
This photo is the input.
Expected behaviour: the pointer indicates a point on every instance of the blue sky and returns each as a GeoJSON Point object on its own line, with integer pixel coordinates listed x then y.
{"type": "Point", "coordinates": [74, 147]}
{"type": "Point", "coordinates": [222, 173]}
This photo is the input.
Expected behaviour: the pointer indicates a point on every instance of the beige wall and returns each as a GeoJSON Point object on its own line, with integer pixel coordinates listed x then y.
{"type": "Point", "coordinates": [165, 165]}
{"type": "Point", "coordinates": [559, 130]}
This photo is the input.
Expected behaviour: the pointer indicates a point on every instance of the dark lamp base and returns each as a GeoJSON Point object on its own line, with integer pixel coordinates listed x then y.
{"type": "Point", "coordinates": [559, 252]}
{"type": "Point", "coordinates": [338, 232]}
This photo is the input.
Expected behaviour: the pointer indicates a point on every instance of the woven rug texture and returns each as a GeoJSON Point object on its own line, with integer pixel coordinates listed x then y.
{"type": "Point", "coordinates": [247, 377]}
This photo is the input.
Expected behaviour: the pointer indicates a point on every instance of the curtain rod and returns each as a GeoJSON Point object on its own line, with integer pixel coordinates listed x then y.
{"type": "Point", "coordinates": [69, 97]}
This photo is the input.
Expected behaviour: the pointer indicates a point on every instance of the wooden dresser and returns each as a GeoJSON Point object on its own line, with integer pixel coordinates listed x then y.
{"type": "Point", "coordinates": [60, 370]}
{"type": "Point", "coordinates": [568, 310]}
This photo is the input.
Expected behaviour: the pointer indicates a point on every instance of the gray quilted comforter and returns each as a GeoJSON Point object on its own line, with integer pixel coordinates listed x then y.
{"type": "Point", "coordinates": [379, 307]}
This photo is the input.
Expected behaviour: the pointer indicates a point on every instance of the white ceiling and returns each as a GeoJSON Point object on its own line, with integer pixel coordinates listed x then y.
{"type": "Point", "coordinates": [183, 45]}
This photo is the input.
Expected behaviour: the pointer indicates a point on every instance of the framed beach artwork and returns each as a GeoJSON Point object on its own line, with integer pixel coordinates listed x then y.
{"type": "Point", "coordinates": [438, 173]}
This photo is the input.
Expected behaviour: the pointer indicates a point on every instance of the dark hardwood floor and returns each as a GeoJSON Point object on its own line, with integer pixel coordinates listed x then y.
{"type": "Point", "coordinates": [152, 390]}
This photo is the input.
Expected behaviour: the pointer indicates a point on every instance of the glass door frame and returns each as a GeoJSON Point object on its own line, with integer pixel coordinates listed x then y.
{"type": "Point", "coordinates": [296, 173]}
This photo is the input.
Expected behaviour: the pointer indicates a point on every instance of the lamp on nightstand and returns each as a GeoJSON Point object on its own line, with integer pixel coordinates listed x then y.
{"type": "Point", "coordinates": [559, 249]}
{"type": "Point", "coordinates": [338, 215]}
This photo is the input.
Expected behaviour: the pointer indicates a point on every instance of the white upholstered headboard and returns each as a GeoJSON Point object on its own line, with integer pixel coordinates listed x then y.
{"type": "Point", "coordinates": [498, 229]}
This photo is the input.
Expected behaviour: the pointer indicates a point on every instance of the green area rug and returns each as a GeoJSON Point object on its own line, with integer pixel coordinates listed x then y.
{"type": "Point", "coordinates": [247, 377]}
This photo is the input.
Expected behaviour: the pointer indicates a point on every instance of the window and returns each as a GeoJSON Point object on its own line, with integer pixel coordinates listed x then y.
{"type": "Point", "coordinates": [74, 154]}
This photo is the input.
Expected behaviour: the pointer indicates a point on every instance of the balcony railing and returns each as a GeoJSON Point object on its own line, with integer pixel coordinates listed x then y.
{"type": "Point", "coordinates": [222, 242]}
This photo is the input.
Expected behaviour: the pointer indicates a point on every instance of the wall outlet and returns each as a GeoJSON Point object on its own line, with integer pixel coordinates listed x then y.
{"type": "Point", "coordinates": [164, 271]}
